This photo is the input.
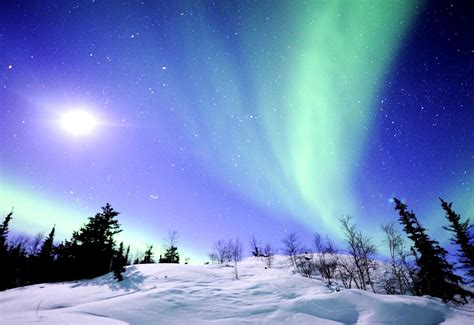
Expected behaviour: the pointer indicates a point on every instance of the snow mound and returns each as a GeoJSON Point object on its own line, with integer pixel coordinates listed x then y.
{"type": "Point", "coordinates": [172, 294]}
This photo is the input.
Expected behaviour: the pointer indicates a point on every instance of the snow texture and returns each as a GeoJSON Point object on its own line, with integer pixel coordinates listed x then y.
{"type": "Point", "coordinates": [188, 294]}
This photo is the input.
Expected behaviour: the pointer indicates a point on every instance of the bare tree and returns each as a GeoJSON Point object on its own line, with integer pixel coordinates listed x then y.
{"type": "Point", "coordinates": [318, 243]}
{"type": "Point", "coordinates": [401, 274]}
{"type": "Point", "coordinates": [292, 247]}
{"type": "Point", "coordinates": [171, 238]}
{"type": "Point", "coordinates": [326, 257]}
{"type": "Point", "coordinates": [220, 251]}
{"type": "Point", "coordinates": [234, 248]}
{"type": "Point", "coordinates": [268, 255]}
{"type": "Point", "coordinates": [346, 271]}
{"type": "Point", "coordinates": [35, 244]}
{"type": "Point", "coordinates": [31, 245]}
{"type": "Point", "coordinates": [306, 264]}
{"type": "Point", "coordinates": [255, 247]}
{"type": "Point", "coordinates": [361, 250]}
{"type": "Point", "coordinates": [213, 258]}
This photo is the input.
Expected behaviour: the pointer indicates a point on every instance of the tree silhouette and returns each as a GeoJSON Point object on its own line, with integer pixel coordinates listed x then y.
{"type": "Point", "coordinates": [435, 275]}
{"type": "Point", "coordinates": [45, 260]}
{"type": "Point", "coordinates": [5, 261]}
{"type": "Point", "coordinates": [148, 258]}
{"type": "Point", "coordinates": [118, 265]}
{"type": "Point", "coordinates": [462, 237]}
{"type": "Point", "coordinates": [91, 249]}
{"type": "Point", "coordinates": [4, 235]}
{"type": "Point", "coordinates": [171, 255]}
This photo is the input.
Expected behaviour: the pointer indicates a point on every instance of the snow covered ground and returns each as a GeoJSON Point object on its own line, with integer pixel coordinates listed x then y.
{"type": "Point", "coordinates": [188, 294]}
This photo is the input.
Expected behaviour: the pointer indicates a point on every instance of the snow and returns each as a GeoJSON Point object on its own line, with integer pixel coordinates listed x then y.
{"type": "Point", "coordinates": [172, 294]}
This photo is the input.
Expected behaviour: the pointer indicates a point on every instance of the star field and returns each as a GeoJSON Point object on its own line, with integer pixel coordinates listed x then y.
{"type": "Point", "coordinates": [231, 119]}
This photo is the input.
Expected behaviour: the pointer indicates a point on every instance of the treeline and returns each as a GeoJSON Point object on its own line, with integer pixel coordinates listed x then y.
{"type": "Point", "coordinates": [420, 269]}
{"type": "Point", "coordinates": [90, 252]}
{"type": "Point", "coordinates": [418, 264]}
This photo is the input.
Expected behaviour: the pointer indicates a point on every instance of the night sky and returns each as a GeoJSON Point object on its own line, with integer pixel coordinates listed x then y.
{"type": "Point", "coordinates": [236, 118]}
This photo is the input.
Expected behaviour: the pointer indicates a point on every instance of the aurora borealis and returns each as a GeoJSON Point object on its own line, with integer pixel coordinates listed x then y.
{"type": "Point", "coordinates": [236, 118]}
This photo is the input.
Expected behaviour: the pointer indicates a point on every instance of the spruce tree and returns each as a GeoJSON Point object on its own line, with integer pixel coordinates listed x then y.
{"type": "Point", "coordinates": [171, 255]}
{"type": "Point", "coordinates": [462, 237]}
{"type": "Point", "coordinates": [148, 258]}
{"type": "Point", "coordinates": [435, 275]}
{"type": "Point", "coordinates": [66, 253]}
{"type": "Point", "coordinates": [4, 235]}
{"type": "Point", "coordinates": [45, 259]}
{"type": "Point", "coordinates": [17, 274]}
{"type": "Point", "coordinates": [127, 256]}
{"type": "Point", "coordinates": [118, 266]}
{"type": "Point", "coordinates": [5, 261]}
{"type": "Point", "coordinates": [91, 249]}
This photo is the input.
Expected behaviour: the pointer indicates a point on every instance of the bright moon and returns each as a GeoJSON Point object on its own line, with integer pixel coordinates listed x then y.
{"type": "Point", "coordinates": [78, 122]}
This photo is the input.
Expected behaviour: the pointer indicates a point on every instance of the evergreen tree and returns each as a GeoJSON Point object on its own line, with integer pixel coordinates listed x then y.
{"type": "Point", "coordinates": [65, 261]}
{"type": "Point", "coordinates": [127, 256]}
{"type": "Point", "coordinates": [4, 236]}
{"type": "Point", "coordinates": [5, 262]}
{"type": "Point", "coordinates": [45, 259]}
{"type": "Point", "coordinates": [90, 252]}
{"type": "Point", "coordinates": [435, 275]}
{"type": "Point", "coordinates": [171, 249]}
{"type": "Point", "coordinates": [118, 265]}
{"type": "Point", "coordinates": [148, 258]}
{"type": "Point", "coordinates": [462, 237]}
{"type": "Point", "coordinates": [16, 266]}
{"type": "Point", "coordinates": [171, 255]}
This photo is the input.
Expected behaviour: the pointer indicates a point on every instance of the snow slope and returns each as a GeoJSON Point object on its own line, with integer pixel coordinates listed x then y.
{"type": "Point", "coordinates": [187, 294]}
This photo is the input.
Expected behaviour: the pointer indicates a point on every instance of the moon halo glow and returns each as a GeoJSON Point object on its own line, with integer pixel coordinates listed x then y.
{"type": "Point", "coordinates": [78, 122]}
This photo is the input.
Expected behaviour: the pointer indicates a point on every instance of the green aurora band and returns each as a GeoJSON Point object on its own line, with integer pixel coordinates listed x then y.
{"type": "Point", "coordinates": [347, 50]}
{"type": "Point", "coordinates": [289, 130]}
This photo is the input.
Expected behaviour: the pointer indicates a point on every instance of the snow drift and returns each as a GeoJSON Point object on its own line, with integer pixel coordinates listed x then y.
{"type": "Point", "coordinates": [172, 294]}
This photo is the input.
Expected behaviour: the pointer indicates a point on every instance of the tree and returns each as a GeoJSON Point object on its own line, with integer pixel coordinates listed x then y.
{"type": "Point", "coordinates": [35, 244]}
{"type": "Point", "coordinates": [361, 250]}
{"type": "Point", "coordinates": [401, 273]}
{"type": "Point", "coordinates": [91, 250]}
{"type": "Point", "coordinates": [305, 263]}
{"type": "Point", "coordinates": [4, 235]}
{"type": "Point", "coordinates": [292, 247]}
{"type": "Point", "coordinates": [171, 255]}
{"type": "Point", "coordinates": [45, 259]}
{"type": "Point", "coordinates": [462, 237]}
{"type": "Point", "coordinates": [171, 250]}
{"type": "Point", "coordinates": [326, 257]}
{"type": "Point", "coordinates": [148, 257]}
{"type": "Point", "coordinates": [268, 255]}
{"type": "Point", "coordinates": [234, 249]}
{"type": "Point", "coordinates": [16, 268]}
{"type": "Point", "coordinates": [8, 269]}
{"type": "Point", "coordinates": [435, 275]}
{"type": "Point", "coordinates": [118, 265]}
{"type": "Point", "coordinates": [220, 251]}
{"type": "Point", "coordinates": [255, 247]}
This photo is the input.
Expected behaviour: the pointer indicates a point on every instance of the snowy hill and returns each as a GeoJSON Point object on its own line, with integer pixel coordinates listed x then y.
{"type": "Point", "coordinates": [187, 294]}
